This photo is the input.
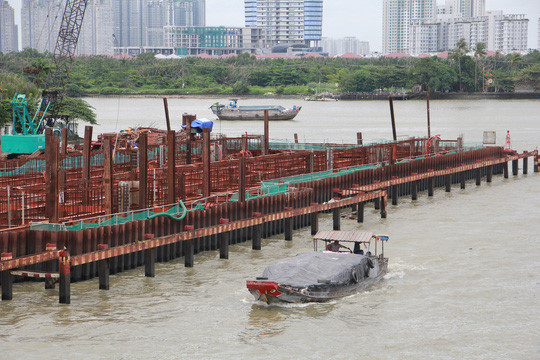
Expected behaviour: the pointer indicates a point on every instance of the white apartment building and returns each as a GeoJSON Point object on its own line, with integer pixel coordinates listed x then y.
{"type": "Point", "coordinates": [397, 18]}
{"type": "Point", "coordinates": [345, 45]}
{"type": "Point", "coordinates": [286, 21]}
{"type": "Point", "coordinates": [97, 29]}
{"type": "Point", "coordinates": [9, 35]}
{"type": "Point", "coordinates": [40, 24]}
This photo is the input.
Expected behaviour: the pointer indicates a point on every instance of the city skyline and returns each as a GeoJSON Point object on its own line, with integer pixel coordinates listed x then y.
{"type": "Point", "coordinates": [343, 18]}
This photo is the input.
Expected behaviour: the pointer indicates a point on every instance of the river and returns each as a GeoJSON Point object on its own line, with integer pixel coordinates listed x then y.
{"type": "Point", "coordinates": [463, 281]}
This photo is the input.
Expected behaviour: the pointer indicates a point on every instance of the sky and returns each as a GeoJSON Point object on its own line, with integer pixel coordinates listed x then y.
{"type": "Point", "coordinates": [359, 18]}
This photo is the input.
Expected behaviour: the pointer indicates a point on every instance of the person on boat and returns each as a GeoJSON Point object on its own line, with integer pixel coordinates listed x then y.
{"type": "Point", "coordinates": [357, 249]}
{"type": "Point", "coordinates": [335, 246]}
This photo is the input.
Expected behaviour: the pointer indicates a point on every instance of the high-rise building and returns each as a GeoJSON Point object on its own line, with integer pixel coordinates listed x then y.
{"type": "Point", "coordinates": [9, 35]}
{"type": "Point", "coordinates": [128, 22]}
{"type": "Point", "coordinates": [345, 45]}
{"type": "Point", "coordinates": [286, 21]}
{"type": "Point", "coordinates": [97, 29]}
{"type": "Point", "coordinates": [469, 8]}
{"type": "Point", "coordinates": [40, 24]}
{"type": "Point", "coordinates": [397, 18]}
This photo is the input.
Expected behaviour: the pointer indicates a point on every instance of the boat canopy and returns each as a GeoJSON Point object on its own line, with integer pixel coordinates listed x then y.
{"type": "Point", "coordinates": [261, 108]}
{"type": "Point", "coordinates": [345, 236]}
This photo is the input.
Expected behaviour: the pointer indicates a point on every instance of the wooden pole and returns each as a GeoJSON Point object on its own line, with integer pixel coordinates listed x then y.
{"type": "Point", "coordinates": [206, 163]}
{"type": "Point", "coordinates": [428, 113]}
{"type": "Point", "coordinates": [266, 147]}
{"type": "Point", "coordinates": [143, 170]}
{"type": "Point", "coordinates": [86, 163]}
{"type": "Point", "coordinates": [393, 118]}
{"type": "Point", "coordinates": [187, 119]}
{"type": "Point", "coordinates": [171, 161]}
{"type": "Point", "coordinates": [63, 149]}
{"type": "Point", "coordinates": [166, 106]}
{"type": "Point", "coordinates": [51, 175]}
{"type": "Point", "coordinates": [295, 138]}
{"type": "Point", "coordinates": [359, 139]}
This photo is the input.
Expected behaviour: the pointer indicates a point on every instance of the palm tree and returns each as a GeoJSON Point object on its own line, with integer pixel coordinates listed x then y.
{"type": "Point", "coordinates": [479, 51]}
{"type": "Point", "coordinates": [460, 50]}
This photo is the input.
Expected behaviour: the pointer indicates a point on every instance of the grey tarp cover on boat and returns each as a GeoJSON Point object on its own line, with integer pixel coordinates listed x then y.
{"type": "Point", "coordinates": [308, 268]}
{"type": "Point", "coordinates": [261, 108]}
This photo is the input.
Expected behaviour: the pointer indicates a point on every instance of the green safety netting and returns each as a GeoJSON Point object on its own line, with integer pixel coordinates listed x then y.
{"type": "Point", "coordinates": [172, 213]}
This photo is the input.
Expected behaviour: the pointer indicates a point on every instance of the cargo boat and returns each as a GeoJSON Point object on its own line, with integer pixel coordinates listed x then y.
{"type": "Point", "coordinates": [321, 276]}
{"type": "Point", "coordinates": [235, 112]}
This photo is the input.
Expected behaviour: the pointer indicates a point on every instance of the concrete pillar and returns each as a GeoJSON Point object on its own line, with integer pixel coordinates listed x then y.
{"type": "Point", "coordinates": [478, 176]}
{"type": "Point", "coordinates": [188, 253]}
{"type": "Point", "coordinates": [360, 212]}
{"type": "Point", "coordinates": [462, 179]}
{"type": "Point", "coordinates": [394, 189]}
{"type": "Point", "coordinates": [336, 214]}
{"type": "Point", "coordinates": [525, 165]}
{"type": "Point", "coordinates": [150, 262]}
{"type": "Point", "coordinates": [224, 239]}
{"type": "Point", "coordinates": [256, 237]}
{"type": "Point", "coordinates": [288, 229]}
{"type": "Point", "coordinates": [430, 186]}
{"type": "Point", "coordinates": [505, 169]}
{"type": "Point", "coordinates": [448, 182]}
{"type": "Point", "coordinates": [314, 223]}
{"type": "Point", "coordinates": [64, 267]}
{"type": "Point", "coordinates": [535, 163]}
{"type": "Point", "coordinates": [377, 203]}
{"type": "Point", "coordinates": [489, 175]}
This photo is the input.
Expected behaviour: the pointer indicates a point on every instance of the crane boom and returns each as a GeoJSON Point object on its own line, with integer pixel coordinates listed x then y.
{"type": "Point", "coordinates": [64, 51]}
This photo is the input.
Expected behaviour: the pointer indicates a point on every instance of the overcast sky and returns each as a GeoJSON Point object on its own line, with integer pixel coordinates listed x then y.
{"type": "Point", "coordinates": [360, 18]}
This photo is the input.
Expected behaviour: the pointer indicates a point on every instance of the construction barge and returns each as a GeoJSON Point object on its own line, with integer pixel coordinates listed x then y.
{"type": "Point", "coordinates": [77, 215]}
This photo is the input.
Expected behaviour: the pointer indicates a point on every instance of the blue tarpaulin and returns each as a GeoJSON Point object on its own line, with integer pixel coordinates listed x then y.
{"type": "Point", "coordinates": [201, 124]}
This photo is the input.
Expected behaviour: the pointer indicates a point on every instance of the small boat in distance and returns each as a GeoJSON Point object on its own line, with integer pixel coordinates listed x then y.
{"type": "Point", "coordinates": [325, 275]}
{"type": "Point", "coordinates": [235, 112]}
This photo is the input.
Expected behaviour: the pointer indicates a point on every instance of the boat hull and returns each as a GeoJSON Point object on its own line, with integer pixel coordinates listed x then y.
{"type": "Point", "coordinates": [233, 114]}
{"type": "Point", "coordinates": [272, 293]}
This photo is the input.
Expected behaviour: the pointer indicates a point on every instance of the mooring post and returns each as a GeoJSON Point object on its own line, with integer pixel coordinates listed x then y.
{"type": "Point", "coordinates": [7, 279]}
{"type": "Point", "coordinates": [171, 165]}
{"type": "Point", "coordinates": [359, 140]}
{"type": "Point", "coordinates": [167, 119]}
{"type": "Point", "coordinates": [143, 169]}
{"type": "Point", "coordinates": [336, 215]}
{"type": "Point", "coordinates": [288, 223]}
{"type": "Point", "coordinates": [393, 118]}
{"type": "Point", "coordinates": [360, 212]}
{"type": "Point", "coordinates": [256, 237]}
{"type": "Point", "coordinates": [150, 262]}
{"type": "Point", "coordinates": [414, 189]}
{"type": "Point", "coordinates": [462, 179]}
{"type": "Point", "coordinates": [51, 175]}
{"type": "Point", "coordinates": [64, 267]}
{"type": "Point", "coordinates": [536, 163]}
{"type": "Point", "coordinates": [478, 176]}
{"type": "Point", "coordinates": [295, 138]}
{"type": "Point", "coordinates": [383, 207]}
{"type": "Point", "coordinates": [86, 163]}
{"type": "Point", "coordinates": [242, 179]}
{"type": "Point", "coordinates": [515, 168]}
{"type": "Point", "coordinates": [394, 189]}
{"type": "Point", "coordinates": [448, 182]}
{"type": "Point", "coordinates": [505, 169]}
{"type": "Point", "coordinates": [314, 221]}
{"type": "Point", "coordinates": [206, 163]}
{"type": "Point", "coordinates": [430, 186]}
{"type": "Point", "coordinates": [489, 173]}
{"type": "Point", "coordinates": [108, 174]}
{"type": "Point", "coordinates": [224, 240]}
{"type": "Point", "coordinates": [266, 145]}
{"type": "Point", "coordinates": [188, 253]}
{"type": "Point", "coordinates": [103, 269]}
{"type": "Point", "coordinates": [525, 165]}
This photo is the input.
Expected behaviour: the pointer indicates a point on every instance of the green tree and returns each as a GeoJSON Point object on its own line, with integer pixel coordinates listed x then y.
{"type": "Point", "coordinates": [240, 88]}
{"type": "Point", "coordinates": [479, 51]}
{"type": "Point", "coordinates": [77, 109]}
{"type": "Point", "coordinates": [458, 54]}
